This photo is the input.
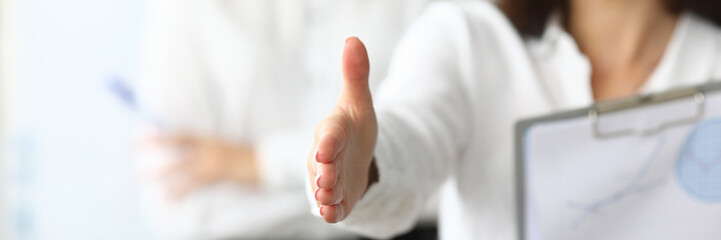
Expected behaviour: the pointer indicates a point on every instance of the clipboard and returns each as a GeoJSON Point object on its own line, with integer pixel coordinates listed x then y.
{"type": "Point", "coordinates": [643, 167]}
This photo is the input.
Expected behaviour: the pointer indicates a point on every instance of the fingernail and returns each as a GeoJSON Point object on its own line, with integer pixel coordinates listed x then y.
{"type": "Point", "coordinates": [316, 194]}
{"type": "Point", "coordinates": [317, 180]}
{"type": "Point", "coordinates": [316, 155]}
{"type": "Point", "coordinates": [321, 210]}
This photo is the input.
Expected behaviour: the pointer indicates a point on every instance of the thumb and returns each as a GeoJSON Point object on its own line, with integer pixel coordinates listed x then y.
{"type": "Point", "coordinates": [356, 92]}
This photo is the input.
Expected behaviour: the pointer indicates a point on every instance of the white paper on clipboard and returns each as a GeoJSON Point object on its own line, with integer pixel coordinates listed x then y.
{"type": "Point", "coordinates": [662, 185]}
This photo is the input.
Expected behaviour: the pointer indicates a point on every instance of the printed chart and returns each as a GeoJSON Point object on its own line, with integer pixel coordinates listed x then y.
{"type": "Point", "coordinates": [698, 167]}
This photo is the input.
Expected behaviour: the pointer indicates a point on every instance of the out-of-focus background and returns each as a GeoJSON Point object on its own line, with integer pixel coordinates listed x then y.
{"type": "Point", "coordinates": [67, 166]}
{"type": "Point", "coordinates": [66, 169]}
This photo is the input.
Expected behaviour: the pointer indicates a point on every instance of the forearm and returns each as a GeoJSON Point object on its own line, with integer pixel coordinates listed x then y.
{"type": "Point", "coordinates": [422, 128]}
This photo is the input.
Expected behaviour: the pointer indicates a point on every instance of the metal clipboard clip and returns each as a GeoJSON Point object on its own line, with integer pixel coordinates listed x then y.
{"type": "Point", "coordinates": [646, 100]}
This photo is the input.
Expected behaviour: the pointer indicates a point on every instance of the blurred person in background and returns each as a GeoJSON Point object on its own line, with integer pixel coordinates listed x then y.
{"type": "Point", "coordinates": [236, 87]}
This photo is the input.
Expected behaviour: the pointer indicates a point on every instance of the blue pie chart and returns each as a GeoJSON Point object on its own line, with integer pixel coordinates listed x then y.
{"type": "Point", "coordinates": [698, 166]}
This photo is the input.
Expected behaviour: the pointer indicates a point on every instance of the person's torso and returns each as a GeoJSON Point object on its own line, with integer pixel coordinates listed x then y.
{"type": "Point", "coordinates": [510, 79]}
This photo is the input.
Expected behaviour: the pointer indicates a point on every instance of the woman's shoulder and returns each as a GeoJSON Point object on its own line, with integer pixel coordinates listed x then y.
{"type": "Point", "coordinates": [703, 25]}
{"type": "Point", "coordinates": [466, 20]}
{"type": "Point", "coordinates": [696, 49]}
{"type": "Point", "coordinates": [706, 34]}
{"type": "Point", "coordinates": [703, 33]}
{"type": "Point", "coordinates": [468, 37]}
{"type": "Point", "coordinates": [476, 12]}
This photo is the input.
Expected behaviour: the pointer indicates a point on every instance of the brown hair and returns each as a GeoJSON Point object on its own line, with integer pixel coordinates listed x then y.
{"type": "Point", "coordinates": [530, 16]}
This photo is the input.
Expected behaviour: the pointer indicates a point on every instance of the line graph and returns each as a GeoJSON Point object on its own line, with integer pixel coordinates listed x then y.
{"type": "Point", "coordinates": [635, 186]}
{"type": "Point", "coordinates": [703, 165]}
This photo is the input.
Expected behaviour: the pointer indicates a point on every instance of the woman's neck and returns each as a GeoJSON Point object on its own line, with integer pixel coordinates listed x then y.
{"type": "Point", "coordinates": [624, 40]}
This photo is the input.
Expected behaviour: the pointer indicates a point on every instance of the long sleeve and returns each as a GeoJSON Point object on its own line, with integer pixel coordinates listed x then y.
{"type": "Point", "coordinates": [423, 120]}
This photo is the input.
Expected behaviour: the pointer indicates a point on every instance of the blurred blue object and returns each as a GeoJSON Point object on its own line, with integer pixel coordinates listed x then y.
{"type": "Point", "coordinates": [125, 93]}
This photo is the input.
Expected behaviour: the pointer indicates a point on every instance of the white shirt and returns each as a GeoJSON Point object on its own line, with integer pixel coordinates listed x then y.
{"type": "Point", "coordinates": [261, 72]}
{"type": "Point", "coordinates": [458, 82]}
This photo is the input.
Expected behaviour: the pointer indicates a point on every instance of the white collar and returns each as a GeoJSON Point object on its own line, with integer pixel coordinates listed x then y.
{"type": "Point", "coordinates": [565, 72]}
{"type": "Point", "coordinates": [691, 57]}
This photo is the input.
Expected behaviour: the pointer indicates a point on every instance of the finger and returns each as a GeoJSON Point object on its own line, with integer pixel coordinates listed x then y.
{"type": "Point", "coordinates": [333, 213]}
{"type": "Point", "coordinates": [330, 197]}
{"type": "Point", "coordinates": [177, 139]}
{"type": "Point", "coordinates": [356, 68]}
{"type": "Point", "coordinates": [332, 140]}
{"type": "Point", "coordinates": [327, 174]}
{"type": "Point", "coordinates": [160, 144]}
{"type": "Point", "coordinates": [182, 189]}
{"type": "Point", "coordinates": [181, 167]}
{"type": "Point", "coordinates": [185, 143]}
{"type": "Point", "coordinates": [148, 137]}
{"type": "Point", "coordinates": [151, 142]}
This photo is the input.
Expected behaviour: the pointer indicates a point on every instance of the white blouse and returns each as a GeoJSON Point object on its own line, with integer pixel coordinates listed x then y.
{"type": "Point", "coordinates": [459, 80]}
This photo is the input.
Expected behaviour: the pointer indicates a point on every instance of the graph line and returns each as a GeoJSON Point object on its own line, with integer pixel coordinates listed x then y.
{"type": "Point", "coordinates": [634, 186]}
{"type": "Point", "coordinates": [702, 165]}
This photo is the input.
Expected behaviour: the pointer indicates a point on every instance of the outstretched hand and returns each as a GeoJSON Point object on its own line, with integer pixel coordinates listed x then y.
{"type": "Point", "coordinates": [340, 163]}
